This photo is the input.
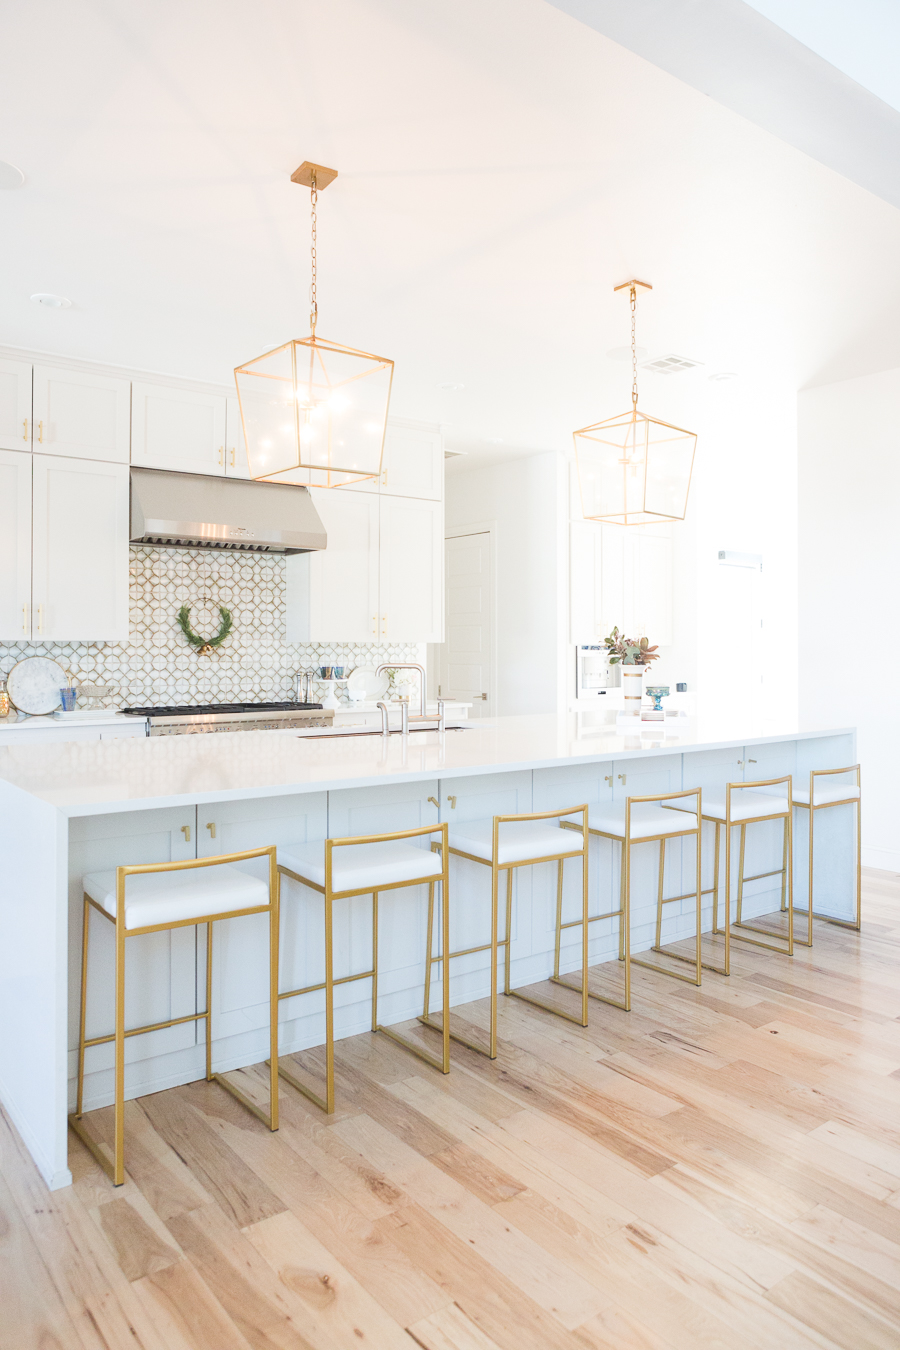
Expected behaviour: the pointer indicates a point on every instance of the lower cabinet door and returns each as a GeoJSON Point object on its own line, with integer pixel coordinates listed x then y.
{"type": "Point", "coordinates": [241, 946]}
{"type": "Point", "coordinates": [160, 968]}
{"type": "Point", "coordinates": [79, 550]}
{"type": "Point", "coordinates": [411, 570]}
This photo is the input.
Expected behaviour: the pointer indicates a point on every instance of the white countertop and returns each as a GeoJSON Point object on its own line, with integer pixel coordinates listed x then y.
{"type": "Point", "coordinates": [92, 778]}
{"type": "Point", "coordinates": [53, 721]}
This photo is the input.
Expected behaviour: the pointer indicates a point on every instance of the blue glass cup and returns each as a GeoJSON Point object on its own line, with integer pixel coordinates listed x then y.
{"type": "Point", "coordinates": [67, 698]}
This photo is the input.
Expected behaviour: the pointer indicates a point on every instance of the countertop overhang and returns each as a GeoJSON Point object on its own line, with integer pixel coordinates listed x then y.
{"type": "Point", "coordinates": [81, 778]}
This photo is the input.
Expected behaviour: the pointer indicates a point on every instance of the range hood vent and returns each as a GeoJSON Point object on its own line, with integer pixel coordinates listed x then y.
{"type": "Point", "coordinates": [189, 510]}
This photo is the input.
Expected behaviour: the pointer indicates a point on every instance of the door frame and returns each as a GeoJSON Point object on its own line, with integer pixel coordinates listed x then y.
{"type": "Point", "coordinates": [488, 527]}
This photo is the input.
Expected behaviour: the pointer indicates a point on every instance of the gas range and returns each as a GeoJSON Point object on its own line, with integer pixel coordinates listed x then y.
{"type": "Point", "coordinates": [203, 717]}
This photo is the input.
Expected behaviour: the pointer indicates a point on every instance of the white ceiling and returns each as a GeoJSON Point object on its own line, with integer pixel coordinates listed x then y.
{"type": "Point", "coordinates": [502, 166]}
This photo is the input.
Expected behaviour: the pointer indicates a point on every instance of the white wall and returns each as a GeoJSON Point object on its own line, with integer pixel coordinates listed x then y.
{"type": "Point", "coordinates": [849, 577]}
{"type": "Point", "coordinates": [524, 499]}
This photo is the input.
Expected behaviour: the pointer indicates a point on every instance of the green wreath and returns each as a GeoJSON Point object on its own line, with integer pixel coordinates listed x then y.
{"type": "Point", "coordinates": [204, 646]}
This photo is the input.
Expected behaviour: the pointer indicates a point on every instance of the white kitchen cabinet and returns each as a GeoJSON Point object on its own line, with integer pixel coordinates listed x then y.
{"type": "Point", "coordinates": [15, 405]}
{"type": "Point", "coordinates": [411, 582]}
{"type": "Point", "coordinates": [178, 429]}
{"type": "Point", "coordinates": [15, 545]}
{"type": "Point", "coordinates": [236, 463]}
{"type": "Point", "coordinates": [412, 464]}
{"type": "Point", "coordinates": [79, 550]}
{"type": "Point", "coordinates": [620, 577]}
{"type": "Point", "coordinates": [81, 416]}
{"type": "Point", "coordinates": [332, 596]}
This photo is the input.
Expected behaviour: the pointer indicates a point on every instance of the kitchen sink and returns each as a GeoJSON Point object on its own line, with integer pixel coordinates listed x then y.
{"type": "Point", "coordinates": [337, 734]}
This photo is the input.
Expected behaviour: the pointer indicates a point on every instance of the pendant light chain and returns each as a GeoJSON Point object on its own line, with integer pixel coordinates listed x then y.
{"type": "Point", "coordinates": [634, 388]}
{"type": "Point", "coordinates": [313, 303]}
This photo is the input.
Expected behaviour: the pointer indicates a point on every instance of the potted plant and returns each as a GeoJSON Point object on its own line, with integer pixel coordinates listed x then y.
{"type": "Point", "coordinates": [633, 655]}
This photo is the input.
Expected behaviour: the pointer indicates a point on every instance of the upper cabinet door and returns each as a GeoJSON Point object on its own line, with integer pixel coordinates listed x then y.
{"type": "Point", "coordinates": [653, 584]}
{"type": "Point", "coordinates": [413, 462]}
{"type": "Point", "coordinates": [177, 429]}
{"type": "Point", "coordinates": [236, 462]}
{"type": "Point", "coordinates": [332, 596]}
{"type": "Point", "coordinates": [84, 416]}
{"type": "Point", "coordinates": [15, 405]}
{"type": "Point", "coordinates": [80, 551]}
{"type": "Point", "coordinates": [585, 582]}
{"type": "Point", "coordinates": [411, 572]}
{"type": "Point", "coordinates": [15, 546]}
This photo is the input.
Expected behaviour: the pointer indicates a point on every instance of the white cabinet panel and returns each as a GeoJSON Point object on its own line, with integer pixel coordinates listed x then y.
{"type": "Point", "coordinates": [585, 582]}
{"type": "Point", "coordinates": [84, 416]}
{"type": "Point", "coordinates": [177, 429]}
{"type": "Point", "coordinates": [615, 580]}
{"type": "Point", "coordinates": [413, 464]}
{"type": "Point", "coordinates": [15, 546]}
{"type": "Point", "coordinates": [411, 572]}
{"type": "Point", "coordinates": [332, 596]}
{"type": "Point", "coordinates": [15, 405]}
{"type": "Point", "coordinates": [236, 462]}
{"type": "Point", "coordinates": [653, 587]}
{"type": "Point", "coordinates": [80, 551]}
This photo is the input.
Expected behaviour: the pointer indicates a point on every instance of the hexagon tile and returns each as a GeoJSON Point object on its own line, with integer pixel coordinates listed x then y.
{"type": "Point", "coordinates": [156, 665]}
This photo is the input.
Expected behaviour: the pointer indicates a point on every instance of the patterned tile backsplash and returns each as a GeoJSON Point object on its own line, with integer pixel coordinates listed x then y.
{"type": "Point", "coordinates": [157, 665]}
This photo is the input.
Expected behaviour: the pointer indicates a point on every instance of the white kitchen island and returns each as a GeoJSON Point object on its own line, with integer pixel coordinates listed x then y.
{"type": "Point", "coordinates": [82, 806]}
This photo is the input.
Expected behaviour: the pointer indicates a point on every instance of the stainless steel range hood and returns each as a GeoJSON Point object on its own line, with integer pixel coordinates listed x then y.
{"type": "Point", "coordinates": [189, 510]}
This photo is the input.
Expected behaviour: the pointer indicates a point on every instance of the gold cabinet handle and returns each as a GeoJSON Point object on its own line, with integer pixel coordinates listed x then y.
{"type": "Point", "coordinates": [621, 778]}
{"type": "Point", "coordinates": [384, 478]}
{"type": "Point", "coordinates": [452, 801]}
{"type": "Point", "coordinates": [375, 624]}
{"type": "Point", "coordinates": [211, 826]}
{"type": "Point", "coordinates": [607, 778]}
{"type": "Point", "coordinates": [384, 625]}
{"type": "Point", "coordinates": [40, 618]}
{"type": "Point", "coordinates": [435, 802]}
{"type": "Point", "coordinates": [24, 618]}
{"type": "Point", "coordinates": [232, 457]}
{"type": "Point", "coordinates": [41, 432]}
{"type": "Point", "coordinates": [222, 455]}
{"type": "Point", "coordinates": [186, 831]}
{"type": "Point", "coordinates": [25, 429]}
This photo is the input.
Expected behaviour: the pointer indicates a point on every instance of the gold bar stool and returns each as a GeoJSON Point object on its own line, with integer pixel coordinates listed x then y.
{"type": "Point", "coordinates": [163, 896]}
{"type": "Point", "coordinates": [646, 820]}
{"type": "Point", "coordinates": [341, 868]}
{"type": "Point", "coordinates": [504, 843]}
{"type": "Point", "coordinates": [747, 804]}
{"type": "Point", "coordinates": [819, 797]}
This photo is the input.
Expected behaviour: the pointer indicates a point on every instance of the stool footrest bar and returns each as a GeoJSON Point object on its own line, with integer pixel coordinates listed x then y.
{"type": "Point", "coordinates": [547, 1007]}
{"type": "Point", "coordinates": [414, 1049]}
{"type": "Point", "coordinates": [264, 1116]}
{"type": "Point", "coordinates": [661, 970]}
{"type": "Point", "coordinates": [601, 998]}
{"type": "Point", "coordinates": [92, 1146]}
{"type": "Point", "coordinates": [312, 988]}
{"type": "Point", "coordinates": [454, 1036]}
{"type": "Point", "coordinates": [302, 1088]}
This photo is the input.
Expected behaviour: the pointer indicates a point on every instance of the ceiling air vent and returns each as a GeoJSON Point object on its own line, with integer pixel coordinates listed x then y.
{"type": "Point", "coordinates": [669, 365]}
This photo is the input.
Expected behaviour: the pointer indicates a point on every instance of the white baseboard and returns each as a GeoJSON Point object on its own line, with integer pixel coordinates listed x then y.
{"type": "Point", "coordinates": [885, 859]}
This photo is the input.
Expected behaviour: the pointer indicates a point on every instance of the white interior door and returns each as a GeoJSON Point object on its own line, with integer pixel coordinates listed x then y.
{"type": "Point", "coordinates": [15, 546]}
{"type": "Point", "coordinates": [15, 405]}
{"type": "Point", "coordinates": [79, 415]}
{"type": "Point", "coordinates": [80, 551]}
{"type": "Point", "coordinates": [466, 672]}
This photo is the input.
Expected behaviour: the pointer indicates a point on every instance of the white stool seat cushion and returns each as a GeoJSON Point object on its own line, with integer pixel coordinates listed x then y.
{"type": "Point", "coordinates": [520, 841]}
{"type": "Point", "coordinates": [826, 795]}
{"type": "Point", "coordinates": [647, 819]}
{"type": "Point", "coordinates": [172, 897]}
{"type": "Point", "coordinates": [745, 805]}
{"type": "Point", "coordinates": [356, 867]}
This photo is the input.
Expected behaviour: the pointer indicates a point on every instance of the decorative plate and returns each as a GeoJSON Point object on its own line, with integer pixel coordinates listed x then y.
{"type": "Point", "coordinates": [366, 684]}
{"type": "Point", "coordinates": [33, 685]}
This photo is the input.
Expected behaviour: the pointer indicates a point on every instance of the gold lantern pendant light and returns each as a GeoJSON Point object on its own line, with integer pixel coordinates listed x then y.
{"type": "Point", "coordinates": [314, 412]}
{"type": "Point", "coordinates": [634, 469]}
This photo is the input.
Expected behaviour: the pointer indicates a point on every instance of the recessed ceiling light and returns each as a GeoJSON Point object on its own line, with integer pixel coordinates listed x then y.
{"type": "Point", "coordinates": [495, 440]}
{"type": "Point", "coordinates": [724, 375]}
{"type": "Point", "coordinates": [51, 301]}
{"type": "Point", "coordinates": [624, 353]}
{"type": "Point", "coordinates": [671, 365]}
{"type": "Point", "coordinates": [453, 386]}
{"type": "Point", "coordinates": [10, 176]}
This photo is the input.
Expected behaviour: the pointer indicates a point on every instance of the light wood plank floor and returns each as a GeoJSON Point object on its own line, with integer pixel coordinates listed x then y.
{"type": "Point", "coordinates": [720, 1168]}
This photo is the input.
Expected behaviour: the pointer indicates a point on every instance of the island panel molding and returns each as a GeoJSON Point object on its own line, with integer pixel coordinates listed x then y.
{"type": "Point", "coordinates": [156, 666]}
